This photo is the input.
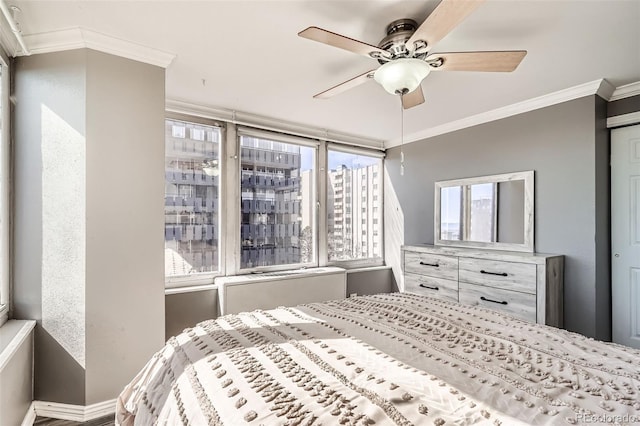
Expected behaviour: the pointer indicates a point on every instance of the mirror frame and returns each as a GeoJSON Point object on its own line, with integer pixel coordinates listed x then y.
{"type": "Point", "coordinates": [528, 237]}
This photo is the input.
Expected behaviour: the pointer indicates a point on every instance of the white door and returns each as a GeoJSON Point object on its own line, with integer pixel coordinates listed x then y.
{"type": "Point", "coordinates": [625, 234]}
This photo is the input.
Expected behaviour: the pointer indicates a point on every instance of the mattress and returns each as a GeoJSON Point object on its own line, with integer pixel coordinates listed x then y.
{"type": "Point", "coordinates": [384, 359]}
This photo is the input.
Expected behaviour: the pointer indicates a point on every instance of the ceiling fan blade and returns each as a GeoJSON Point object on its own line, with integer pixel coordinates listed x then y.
{"type": "Point", "coordinates": [340, 41]}
{"type": "Point", "coordinates": [444, 18]}
{"type": "Point", "coordinates": [343, 87]}
{"type": "Point", "coordinates": [412, 99]}
{"type": "Point", "coordinates": [499, 61]}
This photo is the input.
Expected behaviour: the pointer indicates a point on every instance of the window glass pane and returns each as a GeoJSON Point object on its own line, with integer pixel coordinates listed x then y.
{"type": "Point", "coordinates": [482, 212]}
{"type": "Point", "coordinates": [450, 213]}
{"type": "Point", "coordinates": [192, 182]}
{"type": "Point", "coordinates": [277, 203]}
{"type": "Point", "coordinates": [354, 222]}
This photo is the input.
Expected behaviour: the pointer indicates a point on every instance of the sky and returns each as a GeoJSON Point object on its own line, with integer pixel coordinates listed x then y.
{"type": "Point", "coordinates": [336, 159]}
{"type": "Point", "coordinates": [450, 200]}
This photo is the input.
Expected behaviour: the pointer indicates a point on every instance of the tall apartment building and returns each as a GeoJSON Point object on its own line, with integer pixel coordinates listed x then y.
{"type": "Point", "coordinates": [278, 207]}
{"type": "Point", "coordinates": [191, 199]}
{"type": "Point", "coordinates": [271, 203]}
{"type": "Point", "coordinates": [354, 210]}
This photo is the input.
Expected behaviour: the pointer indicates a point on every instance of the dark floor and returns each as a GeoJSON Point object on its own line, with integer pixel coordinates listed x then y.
{"type": "Point", "coordinates": [102, 421]}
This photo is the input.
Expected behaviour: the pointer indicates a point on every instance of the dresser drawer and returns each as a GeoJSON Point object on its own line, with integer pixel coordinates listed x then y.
{"type": "Point", "coordinates": [431, 286]}
{"type": "Point", "coordinates": [494, 273]}
{"type": "Point", "coordinates": [520, 305]}
{"type": "Point", "coordinates": [433, 265]}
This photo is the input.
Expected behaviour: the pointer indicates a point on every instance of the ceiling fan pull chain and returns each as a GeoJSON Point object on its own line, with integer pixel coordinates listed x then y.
{"type": "Point", "coordinates": [401, 136]}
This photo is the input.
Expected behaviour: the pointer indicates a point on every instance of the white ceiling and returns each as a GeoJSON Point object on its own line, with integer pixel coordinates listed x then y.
{"type": "Point", "coordinates": [246, 55]}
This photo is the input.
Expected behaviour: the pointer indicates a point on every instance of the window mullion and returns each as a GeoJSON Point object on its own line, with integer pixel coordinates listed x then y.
{"type": "Point", "coordinates": [321, 211]}
{"type": "Point", "coordinates": [231, 197]}
{"type": "Point", "coordinates": [5, 192]}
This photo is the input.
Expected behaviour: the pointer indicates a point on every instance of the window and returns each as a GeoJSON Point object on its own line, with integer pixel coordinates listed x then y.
{"type": "Point", "coordinates": [482, 211]}
{"type": "Point", "coordinates": [178, 130]}
{"type": "Point", "coordinates": [264, 216]}
{"type": "Point", "coordinates": [450, 213]}
{"type": "Point", "coordinates": [356, 243]}
{"type": "Point", "coordinates": [277, 202]}
{"type": "Point", "coordinates": [4, 190]}
{"type": "Point", "coordinates": [192, 200]}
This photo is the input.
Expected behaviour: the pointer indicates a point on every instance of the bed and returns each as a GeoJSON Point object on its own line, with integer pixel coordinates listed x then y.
{"type": "Point", "coordinates": [383, 359]}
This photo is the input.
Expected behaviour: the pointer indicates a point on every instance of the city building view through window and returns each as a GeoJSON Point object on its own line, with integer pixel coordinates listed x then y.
{"type": "Point", "coordinates": [354, 206]}
{"type": "Point", "coordinates": [482, 212]}
{"type": "Point", "coordinates": [451, 213]}
{"type": "Point", "coordinates": [475, 205]}
{"type": "Point", "coordinates": [192, 169]}
{"type": "Point", "coordinates": [278, 200]}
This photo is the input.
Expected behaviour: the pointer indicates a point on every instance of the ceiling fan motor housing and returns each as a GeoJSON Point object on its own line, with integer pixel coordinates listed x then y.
{"type": "Point", "coordinates": [398, 33]}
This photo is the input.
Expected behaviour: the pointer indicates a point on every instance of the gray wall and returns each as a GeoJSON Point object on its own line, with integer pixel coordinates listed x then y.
{"type": "Point", "coordinates": [511, 212]}
{"type": "Point", "coordinates": [602, 222]}
{"type": "Point", "coordinates": [125, 220]}
{"type": "Point", "coordinates": [566, 145]}
{"type": "Point", "coordinates": [51, 84]}
{"type": "Point", "coordinates": [378, 280]}
{"type": "Point", "coordinates": [184, 310]}
{"type": "Point", "coordinates": [16, 378]}
{"type": "Point", "coordinates": [623, 106]}
{"type": "Point", "coordinates": [99, 119]}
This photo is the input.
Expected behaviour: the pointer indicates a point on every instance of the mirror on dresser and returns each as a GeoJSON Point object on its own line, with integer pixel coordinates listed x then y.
{"type": "Point", "coordinates": [494, 212]}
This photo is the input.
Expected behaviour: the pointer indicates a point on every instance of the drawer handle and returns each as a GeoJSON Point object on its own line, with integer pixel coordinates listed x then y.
{"type": "Point", "coordinates": [493, 301]}
{"type": "Point", "coordinates": [429, 287]}
{"type": "Point", "coordinates": [502, 274]}
{"type": "Point", "coordinates": [435, 265]}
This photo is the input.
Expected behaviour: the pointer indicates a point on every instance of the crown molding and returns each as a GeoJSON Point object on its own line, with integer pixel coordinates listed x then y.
{"type": "Point", "coordinates": [623, 120]}
{"type": "Point", "coordinates": [268, 123]}
{"type": "Point", "coordinates": [76, 413]}
{"type": "Point", "coordinates": [626, 91]}
{"type": "Point", "coordinates": [605, 90]}
{"type": "Point", "coordinates": [600, 87]}
{"type": "Point", "coordinates": [78, 38]}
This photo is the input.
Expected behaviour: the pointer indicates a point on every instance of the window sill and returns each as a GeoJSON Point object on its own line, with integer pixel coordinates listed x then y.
{"type": "Point", "coordinates": [358, 264]}
{"type": "Point", "coordinates": [12, 334]}
{"type": "Point", "coordinates": [187, 281]}
{"type": "Point", "coordinates": [368, 269]}
{"type": "Point", "coordinates": [189, 289]}
{"type": "Point", "coordinates": [260, 276]}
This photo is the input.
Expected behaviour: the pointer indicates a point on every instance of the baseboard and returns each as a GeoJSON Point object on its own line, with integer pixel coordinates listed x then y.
{"type": "Point", "coordinates": [30, 416]}
{"type": "Point", "coordinates": [77, 413]}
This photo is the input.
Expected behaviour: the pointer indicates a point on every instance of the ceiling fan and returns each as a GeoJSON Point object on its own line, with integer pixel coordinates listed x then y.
{"type": "Point", "coordinates": [405, 53]}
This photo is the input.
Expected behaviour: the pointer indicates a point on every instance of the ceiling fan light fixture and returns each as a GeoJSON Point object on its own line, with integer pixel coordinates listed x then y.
{"type": "Point", "coordinates": [402, 75]}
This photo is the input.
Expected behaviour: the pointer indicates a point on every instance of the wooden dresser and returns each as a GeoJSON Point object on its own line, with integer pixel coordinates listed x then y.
{"type": "Point", "coordinates": [526, 285]}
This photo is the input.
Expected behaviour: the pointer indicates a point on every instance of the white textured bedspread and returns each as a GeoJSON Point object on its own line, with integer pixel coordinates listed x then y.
{"type": "Point", "coordinates": [384, 359]}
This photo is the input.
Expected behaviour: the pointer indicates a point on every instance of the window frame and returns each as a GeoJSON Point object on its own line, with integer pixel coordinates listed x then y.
{"type": "Point", "coordinates": [5, 190]}
{"type": "Point", "coordinates": [368, 261]}
{"type": "Point", "coordinates": [204, 278]}
{"type": "Point", "coordinates": [292, 140]}
{"type": "Point", "coordinates": [230, 217]}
